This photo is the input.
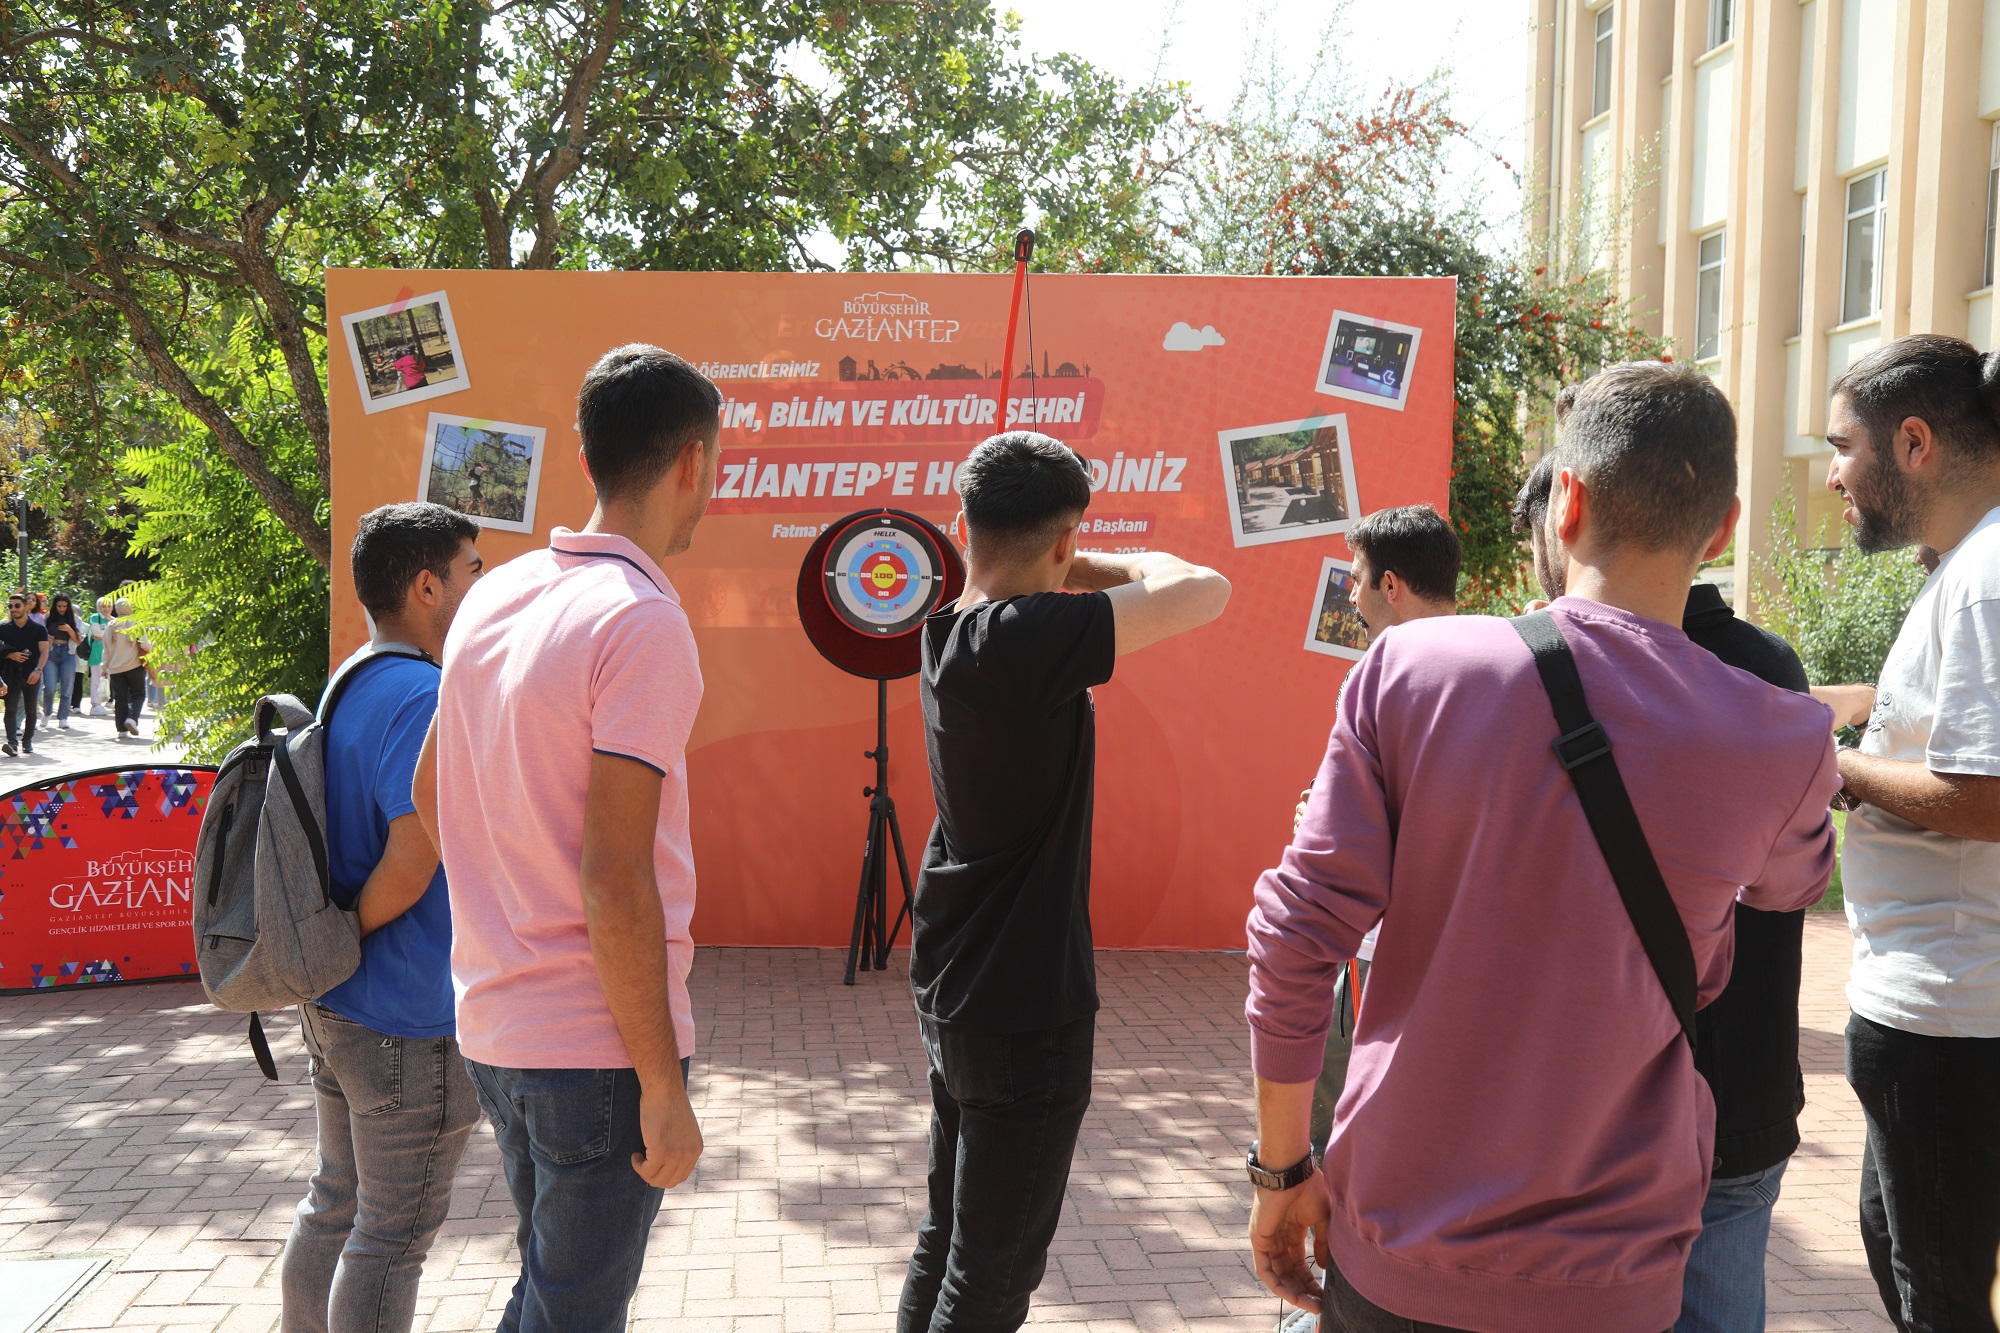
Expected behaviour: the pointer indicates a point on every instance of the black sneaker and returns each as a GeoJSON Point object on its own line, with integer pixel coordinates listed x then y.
{"type": "Point", "coordinates": [7, 749]}
{"type": "Point", "coordinates": [27, 747]}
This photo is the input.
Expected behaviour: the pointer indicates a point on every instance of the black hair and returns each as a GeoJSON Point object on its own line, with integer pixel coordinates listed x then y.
{"type": "Point", "coordinates": [1531, 506]}
{"type": "Point", "coordinates": [1655, 442]}
{"type": "Point", "coordinates": [66, 617]}
{"type": "Point", "coordinates": [395, 543]}
{"type": "Point", "coordinates": [639, 409]}
{"type": "Point", "coordinates": [1020, 490]}
{"type": "Point", "coordinates": [1946, 381]}
{"type": "Point", "coordinates": [1416, 543]}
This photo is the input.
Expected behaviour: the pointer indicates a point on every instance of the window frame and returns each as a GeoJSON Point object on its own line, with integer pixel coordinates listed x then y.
{"type": "Point", "coordinates": [1721, 23]}
{"type": "Point", "coordinates": [1877, 212]}
{"type": "Point", "coordinates": [1708, 343]}
{"type": "Point", "coordinates": [1603, 58]}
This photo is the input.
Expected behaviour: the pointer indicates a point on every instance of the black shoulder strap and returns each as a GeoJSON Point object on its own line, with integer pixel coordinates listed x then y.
{"type": "Point", "coordinates": [341, 678]}
{"type": "Point", "coordinates": [1584, 750]}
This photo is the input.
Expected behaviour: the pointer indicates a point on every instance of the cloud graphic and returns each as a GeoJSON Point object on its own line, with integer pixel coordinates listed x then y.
{"type": "Point", "coordinates": [1182, 337]}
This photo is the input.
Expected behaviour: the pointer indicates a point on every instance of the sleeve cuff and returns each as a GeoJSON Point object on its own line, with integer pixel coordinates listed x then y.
{"type": "Point", "coordinates": [1968, 765]}
{"type": "Point", "coordinates": [637, 759]}
{"type": "Point", "coordinates": [1286, 1059]}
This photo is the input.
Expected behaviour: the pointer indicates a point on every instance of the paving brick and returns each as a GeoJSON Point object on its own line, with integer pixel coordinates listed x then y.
{"type": "Point", "coordinates": [138, 1126]}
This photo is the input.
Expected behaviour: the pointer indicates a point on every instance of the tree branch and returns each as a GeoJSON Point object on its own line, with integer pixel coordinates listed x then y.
{"type": "Point", "coordinates": [543, 178]}
{"type": "Point", "coordinates": [261, 272]}
{"type": "Point", "coordinates": [291, 508]}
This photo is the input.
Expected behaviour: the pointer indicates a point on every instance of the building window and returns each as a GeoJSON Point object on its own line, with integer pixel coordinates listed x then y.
{"type": "Point", "coordinates": [1600, 88]}
{"type": "Point", "coordinates": [1721, 22]}
{"type": "Point", "coordinates": [1992, 208]}
{"type": "Point", "coordinates": [1708, 298]}
{"type": "Point", "coordinates": [1861, 270]}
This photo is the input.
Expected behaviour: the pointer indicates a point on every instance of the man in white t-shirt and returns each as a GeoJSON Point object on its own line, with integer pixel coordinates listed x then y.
{"type": "Point", "coordinates": [1915, 428]}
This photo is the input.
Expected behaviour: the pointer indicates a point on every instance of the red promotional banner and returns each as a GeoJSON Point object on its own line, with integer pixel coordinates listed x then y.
{"type": "Point", "coordinates": [96, 881]}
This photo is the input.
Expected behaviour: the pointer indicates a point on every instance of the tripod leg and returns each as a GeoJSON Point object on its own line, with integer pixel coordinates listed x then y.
{"type": "Point", "coordinates": [879, 886]}
{"type": "Point", "coordinates": [857, 947]}
{"type": "Point", "coordinates": [909, 895]}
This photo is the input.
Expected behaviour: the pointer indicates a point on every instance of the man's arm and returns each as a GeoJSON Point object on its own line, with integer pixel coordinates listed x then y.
{"type": "Point", "coordinates": [41, 659]}
{"type": "Point", "coordinates": [1280, 1221]}
{"type": "Point", "coordinates": [1154, 595]}
{"type": "Point", "coordinates": [1962, 805]}
{"type": "Point", "coordinates": [1851, 704]}
{"type": "Point", "coordinates": [409, 861]}
{"type": "Point", "coordinates": [424, 788]}
{"type": "Point", "coordinates": [628, 944]}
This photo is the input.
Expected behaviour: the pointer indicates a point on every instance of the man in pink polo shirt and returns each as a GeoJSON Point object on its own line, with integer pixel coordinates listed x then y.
{"type": "Point", "coordinates": [555, 784]}
{"type": "Point", "coordinates": [1523, 1145]}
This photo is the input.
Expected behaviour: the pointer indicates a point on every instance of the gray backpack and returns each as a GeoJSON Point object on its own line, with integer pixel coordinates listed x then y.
{"type": "Point", "coordinates": [267, 932]}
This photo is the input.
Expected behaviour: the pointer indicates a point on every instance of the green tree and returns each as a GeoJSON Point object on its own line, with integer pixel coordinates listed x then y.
{"type": "Point", "coordinates": [1842, 613]}
{"type": "Point", "coordinates": [175, 177]}
{"type": "Point", "coordinates": [1303, 176]}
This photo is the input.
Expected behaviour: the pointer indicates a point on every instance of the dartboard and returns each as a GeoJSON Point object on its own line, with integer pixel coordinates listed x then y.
{"type": "Point", "coordinates": [882, 578]}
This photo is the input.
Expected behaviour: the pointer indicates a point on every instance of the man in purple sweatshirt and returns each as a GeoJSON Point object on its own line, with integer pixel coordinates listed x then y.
{"type": "Point", "coordinates": [1524, 1143]}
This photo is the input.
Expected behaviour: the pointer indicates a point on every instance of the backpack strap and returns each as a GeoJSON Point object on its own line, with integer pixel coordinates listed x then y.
{"type": "Point", "coordinates": [336, 687]}
{"type": "Point", "coordinates": [1584, 750]}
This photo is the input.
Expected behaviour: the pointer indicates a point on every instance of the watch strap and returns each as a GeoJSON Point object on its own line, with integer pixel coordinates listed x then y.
{"type": "Point", "coordinates": [1263, 1177]}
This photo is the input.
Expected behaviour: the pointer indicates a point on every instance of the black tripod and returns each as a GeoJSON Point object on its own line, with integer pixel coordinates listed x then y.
{"type": "Point", "coordinates": [871, 905]}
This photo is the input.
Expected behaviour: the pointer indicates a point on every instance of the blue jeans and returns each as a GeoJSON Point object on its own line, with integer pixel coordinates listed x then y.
{"type": "Point", "coordinates": [1723, 1291]}
{"type": "Point", "coordinates": [394, 1114]}
{"type": "Point", "coordinates": [56, 682]}
{"type": "Point", "coordinates": [1005, 1110]}
{"type": "Point", "coordinates": [566, 1141]}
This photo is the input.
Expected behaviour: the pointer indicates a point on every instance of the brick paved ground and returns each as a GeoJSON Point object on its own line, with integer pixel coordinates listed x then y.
{"type": "Point", "coordinates": [135, 1125]}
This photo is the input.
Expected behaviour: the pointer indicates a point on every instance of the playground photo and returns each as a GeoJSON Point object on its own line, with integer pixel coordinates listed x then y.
{"type": "Point", "coordinates": [1289, 480]}
{"type": "Point", "coordinates": [1368, 360]}
{"type": "Point", "coordinates": [1337, 628]}
{"type": "Point", "coordinates": [405, 352]}
{"type": "Point", "coordinates": [487, 470]}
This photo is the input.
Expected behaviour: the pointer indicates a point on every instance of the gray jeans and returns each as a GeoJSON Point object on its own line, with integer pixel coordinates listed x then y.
{"type": "Point", "coordinates": [394, 1115]}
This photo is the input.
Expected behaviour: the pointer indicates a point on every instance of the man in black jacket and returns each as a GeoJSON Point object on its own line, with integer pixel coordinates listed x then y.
{"type": "Point", "coordinates": [1747, 1041]}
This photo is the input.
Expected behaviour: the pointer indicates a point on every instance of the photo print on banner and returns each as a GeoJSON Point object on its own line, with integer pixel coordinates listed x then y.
{"type": "Point", "coordinates": [1368, 360]}
{"type": "Point", "coordinates": [405, 352]}
{"type": "Point", "coordinates": [486, 470]}
{"type": "Point", "coordinates": [1337, 628]}
{"type": "Point", "coordinates": [1289, 480]}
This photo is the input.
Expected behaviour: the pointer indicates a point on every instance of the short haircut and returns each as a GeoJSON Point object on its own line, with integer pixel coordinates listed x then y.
{"type": "Point", "coordinates": [1945, 381]}
{"type": "Point", "coordinates": [1020, 490]}
{"type": "Point", "coordinates": [395, 543]}
{"type": "Point", "coordinates": [639, 409]}
{"type": "Point", "coordinates": [1655, 443]}
{"type": "Point", "coordinates": [1416, 543]}
{"type": "Point", "coordinates": [1531, 506]}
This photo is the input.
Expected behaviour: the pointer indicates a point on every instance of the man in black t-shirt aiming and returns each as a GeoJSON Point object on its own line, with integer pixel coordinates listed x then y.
{"type": "Point", "coordinates": [1001, 963]}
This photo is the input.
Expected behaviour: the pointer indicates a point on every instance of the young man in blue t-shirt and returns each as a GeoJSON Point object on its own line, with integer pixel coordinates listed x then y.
{"type": "Point", "coordinates": [394, 1102]}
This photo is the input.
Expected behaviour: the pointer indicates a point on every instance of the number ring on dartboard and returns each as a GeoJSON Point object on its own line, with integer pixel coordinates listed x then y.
{"type": "Point", "coordinates": [881, 577]}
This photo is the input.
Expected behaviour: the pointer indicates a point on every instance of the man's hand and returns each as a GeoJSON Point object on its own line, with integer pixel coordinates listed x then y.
{"type": "Point", "coordinates": [35, 677]}
{"type": "Point", "coordinates": [1851, 704]}
{"type": "Point", "coordinates": [1279, 1226]}
{"type": "Point", "coordinates": [673, 1136]}
{"type": "Point", "coordinates": [17, 657]}
{"type": "Point", "coordinates": [1299, 815]}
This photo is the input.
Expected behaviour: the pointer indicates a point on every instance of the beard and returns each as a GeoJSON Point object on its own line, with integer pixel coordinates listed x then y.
{"type": "Point", "coordinates": [1886, 512]}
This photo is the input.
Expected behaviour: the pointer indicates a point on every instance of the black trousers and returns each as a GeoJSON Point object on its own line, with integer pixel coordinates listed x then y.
{"type": "Point", "coordinates": [128, 695]}
{"type": "Point", "coordinates": [81, 688]}
{"type": "Point", "coordinates": [1930, 1173]}
{"type": "Point", "coordinates": [1005, 1110]}
{"type": "Point", "coordinates": [22, 699]}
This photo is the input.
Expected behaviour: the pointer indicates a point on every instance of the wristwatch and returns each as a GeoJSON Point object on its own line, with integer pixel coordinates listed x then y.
{"type": "Point", "coordinates": [1290, 1178]}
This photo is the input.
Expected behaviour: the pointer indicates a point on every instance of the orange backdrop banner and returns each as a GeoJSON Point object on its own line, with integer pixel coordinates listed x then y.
{"type": "Point", "coordinates": [1242, 423]}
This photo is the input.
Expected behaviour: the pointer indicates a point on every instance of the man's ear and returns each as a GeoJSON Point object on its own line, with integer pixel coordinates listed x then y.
{"type": "Point", "coordinates": [584, 463]}
{"type": "Point", "coordinates": [1916, 444]}
{"type": "Point", "coordinates": [1566, 507]}
{"type": "Point", "coordinates": [1066, 544]}
{"type": "Point", "coordinates": [1389, 585]}
{"type": "Point", "coordinates": [1727, 534]}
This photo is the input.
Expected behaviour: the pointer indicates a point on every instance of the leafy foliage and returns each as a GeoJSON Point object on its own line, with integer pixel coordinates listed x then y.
{"type": "Point", "coordinates": [1326, 183]}
{"type": "Point", "coordinates": [175, 175]}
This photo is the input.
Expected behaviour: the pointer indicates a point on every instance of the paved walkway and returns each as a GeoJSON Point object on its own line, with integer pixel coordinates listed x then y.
{"type": "Point", "coordinates": [136, 1126]}
{"type": "Point", "coordinates": [89, 743]}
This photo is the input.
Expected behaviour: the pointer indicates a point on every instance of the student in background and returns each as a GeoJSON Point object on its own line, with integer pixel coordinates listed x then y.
{"type": "Point", "coordinates": [1915, 429]}
{"type": "Point", "coordinates": [571, 912]}
{"type": "Point", "coordinates": [125, 652]}
{"type": "Point", "coordinates": [95, 629]}
{"type": "Point", "coordinates": [390, 1091]}
{"type": "Point", "coordinates": [24, 651]}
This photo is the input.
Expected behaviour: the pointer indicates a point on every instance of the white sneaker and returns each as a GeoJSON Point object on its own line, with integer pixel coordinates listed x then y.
{"type": "Point", "coordinates": [62, 726]}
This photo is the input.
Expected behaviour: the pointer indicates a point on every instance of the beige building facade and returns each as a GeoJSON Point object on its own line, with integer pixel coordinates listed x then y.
{"type": "Point", "coordinates": [1778, 187]}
